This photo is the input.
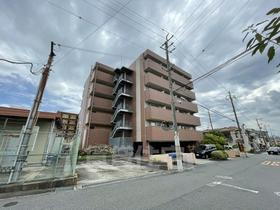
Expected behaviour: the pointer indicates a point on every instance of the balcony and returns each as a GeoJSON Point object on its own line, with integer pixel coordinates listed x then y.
{"type": "Point", "coordinates": [101, 118]}
{"type": "Point", "coordinates": [122, 78]}
{"type": "Point", "coordinates": [121, 92]}
{"type": "Point", "coordinates": [160, 70]}
{"type": "Point", "coordinates": [121, 125]}
{"type": "Point", "coordinates": [103, 90]}
{"type": "Point", "coordinates": [115, 78]}
{"type": "Point", "coordinates": [156, 68]}
{"type": "Point", "coordinates": [181, 80]}
{"type": "Point", "coordinates": [100, 103]}
{"type": "Point", "coordinates": [148, 54]}
{"type": "Point", "coordinates": [157, 134]}
{"type": "Point", "coordinates": [91, 89]}
{"type": "Point", "coordinates": [160, 83]}
{"type": "Point", "coordinates": [121, 108]}
{"type": "Point", "coordinates": [183, 92]}
{"type": "Point", "coordinates": [160, 114]}
{"type": "Point", "coordinates": [156, 82]}
{"type": "Point", "coordinates": [164, 99]}
{"type": "Point", "coordinates": [89, 102]}
{"type": "Point", "coordinates": [103, 77]}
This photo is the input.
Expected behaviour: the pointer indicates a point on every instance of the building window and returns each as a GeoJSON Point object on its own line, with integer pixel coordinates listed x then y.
{"type": "Point", "coordinates": [65, 116]}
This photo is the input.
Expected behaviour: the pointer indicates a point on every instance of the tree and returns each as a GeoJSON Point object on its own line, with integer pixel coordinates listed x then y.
{"type": "Point", "coordinates": [214, 138]}
{"type": "Point", "coordinates": [265, 36]}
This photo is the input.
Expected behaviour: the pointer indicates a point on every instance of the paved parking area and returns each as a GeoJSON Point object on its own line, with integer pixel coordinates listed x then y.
{"type": "Point", "coordinates": [98, 171]}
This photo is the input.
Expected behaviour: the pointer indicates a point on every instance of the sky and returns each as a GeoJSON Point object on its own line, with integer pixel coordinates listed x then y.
{"type": "Point", "coordinates": [206, 34]}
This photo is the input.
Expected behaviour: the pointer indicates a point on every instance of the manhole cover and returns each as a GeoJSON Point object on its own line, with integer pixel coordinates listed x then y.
{"type": "Point", "coordinates": [10, 204]}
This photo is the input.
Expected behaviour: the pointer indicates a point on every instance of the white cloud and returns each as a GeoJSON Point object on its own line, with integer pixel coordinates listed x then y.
{"type": "Point", "coordinates": [27, 34]}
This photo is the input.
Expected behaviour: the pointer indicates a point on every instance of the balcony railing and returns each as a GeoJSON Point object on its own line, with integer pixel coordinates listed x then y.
{"type": "Point", "coordinates": [122, 77]}
{"type": "Point", "coordinates": [115, 78]}
{"type": "Point", "coordinates": [122, 91]}
{"type": "Point", "coordinates": [121, 108]}
{"type": "Point", "coordinates": [122, 124]}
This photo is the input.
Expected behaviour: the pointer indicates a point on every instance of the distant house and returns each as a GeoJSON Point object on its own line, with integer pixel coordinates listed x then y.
{"type": "Point", "coordinates": [46, 138]}
{"type": "Point", "coordinates": [233, 136]}
{"type": "Point", "coordinates": [253, 139]}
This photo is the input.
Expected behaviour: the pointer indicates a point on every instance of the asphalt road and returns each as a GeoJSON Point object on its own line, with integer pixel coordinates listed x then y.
{"type": "Point", "coordinates": [244, 183]}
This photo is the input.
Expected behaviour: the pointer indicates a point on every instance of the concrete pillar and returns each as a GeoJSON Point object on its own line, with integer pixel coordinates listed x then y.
{"type": "Point", "coordinates": [146, 149]}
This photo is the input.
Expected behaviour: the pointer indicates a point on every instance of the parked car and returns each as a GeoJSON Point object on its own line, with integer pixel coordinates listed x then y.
{"type": "Point", "coordinates": [273, 151]}
{"type": "Point", "coordinates": [204, 150]}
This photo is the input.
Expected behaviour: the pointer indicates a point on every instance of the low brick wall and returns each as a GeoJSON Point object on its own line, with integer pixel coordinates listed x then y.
{"type": "Point", "coordinates": [150, 163]}
{"type": "Point", "coordinates": [36, 186]}
{"type": "Point", "coordinates": [164, 158]}
{"type": "Point", "coordinates": [233, 153]}
{"type": "Point", "coordinates": [189, 158]}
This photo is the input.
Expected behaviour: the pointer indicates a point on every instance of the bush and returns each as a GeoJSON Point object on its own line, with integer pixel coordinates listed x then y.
{"type": "Point", "coordinates": [219, 155]}
{"type": "Point", "coordinates": [82, 153]}
{"type": "Point", "coordinates": [219, 147]}
{"type": "Point", "coordinates": [82, 158]}
{"type": "Point", "coordinates": [101, 149]}
{"type": "Point", "coordinates": [214, 138]}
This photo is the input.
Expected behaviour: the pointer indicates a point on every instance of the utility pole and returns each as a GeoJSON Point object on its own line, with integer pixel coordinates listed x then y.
{"type": "Point", "coordinates": [266, 133]}
{"type": "Point", "coordinates": [237, 121]}
{"type": "Point", "coordinates": [271, 134]}
{"type": "Point", "coordinates": [22, 152]}
{"type": "Point", "coordinates": [210, 120]}
{"type": "Point", "coordinates": [261, 133]}
{"type": "Point", "coordinates": [166, 46]}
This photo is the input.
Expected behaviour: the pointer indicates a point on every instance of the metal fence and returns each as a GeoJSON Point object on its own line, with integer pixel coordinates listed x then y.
{"type": "Point", "coordinates": [50, 156]}
{"type": "Point", "coordinates": [122, 145]}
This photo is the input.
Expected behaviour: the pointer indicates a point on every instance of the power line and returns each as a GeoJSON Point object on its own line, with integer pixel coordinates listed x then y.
{"type": "Point", "coordinates": [220, 31]}
{"type": "Point", "coordinates": [188, 17]}
{"type": "Point", "coordinates": [94, 24]}
{"type": "Point", "coordinates": [92, 33]}
{"type": "Point", "coordinates": [203, 20]}
{"type": "Point", "coordinates": [71, 13]}
{"type": "Point", "coordinates": [202, 70]}
{"type": "Point", "coordinates": [19, 62]}
{"type": "Point", "coordinates": [133, 12]}
{"type": "Point", "coordinates": [197, 19]}
{"type": "Point", "coordinates": [92, 51]}
{"type": "Point", "coordinates": [215, 112]}
{"type": "Point", "coordinates": [220, 67]}
{"type": "Point", "coordinates": [149, 29]}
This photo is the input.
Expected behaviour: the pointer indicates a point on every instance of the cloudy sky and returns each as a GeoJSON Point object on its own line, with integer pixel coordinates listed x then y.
{"type": "Point", "coordinates": [206, 34]}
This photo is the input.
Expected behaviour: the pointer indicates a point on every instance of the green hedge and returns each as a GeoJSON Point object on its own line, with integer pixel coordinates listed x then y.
{"type": "Point", "coordinates": [219, 155]}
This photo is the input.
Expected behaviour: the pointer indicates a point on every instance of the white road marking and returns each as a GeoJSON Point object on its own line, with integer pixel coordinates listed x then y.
{"type": "Point", "coordinates": [224, 177]}
{"type": "Point", "coordinates": [267, 162]}
{"type": "Point", "coordinates": [275, 163]}
{"type": "Point", "coordinates": [240, 188]}
{"type": "Point", "coordinates": [277, 193]}
{"type": "Point", "coordinates": [213, 184]}
{"type": "Point", "coordinates": [271, 163]}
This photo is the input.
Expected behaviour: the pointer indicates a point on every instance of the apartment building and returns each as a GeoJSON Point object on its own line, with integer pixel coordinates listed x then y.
{"type": "Point", "coordinates": [135, 102]}
{"type": "Point", "coordinates": [96, 109]}
{"type": "Point", "coordinates": [69, 123]}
